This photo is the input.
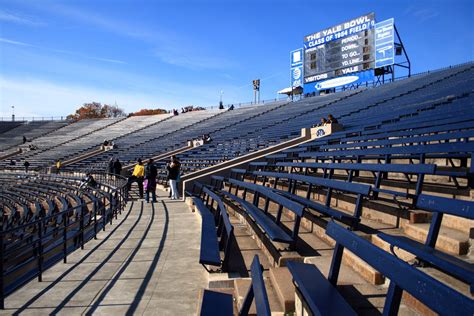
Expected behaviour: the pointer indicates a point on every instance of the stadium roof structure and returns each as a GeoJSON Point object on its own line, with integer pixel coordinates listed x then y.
{"type": "Point", "coordinates": [289, 90]}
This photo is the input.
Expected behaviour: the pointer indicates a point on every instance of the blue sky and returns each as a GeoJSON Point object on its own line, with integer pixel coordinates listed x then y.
{"type": "Point", "coordinates": [56, 55]}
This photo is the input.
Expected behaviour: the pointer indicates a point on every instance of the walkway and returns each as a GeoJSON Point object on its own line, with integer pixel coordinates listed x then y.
{"type": "Point", "coordinates": [145, 263]}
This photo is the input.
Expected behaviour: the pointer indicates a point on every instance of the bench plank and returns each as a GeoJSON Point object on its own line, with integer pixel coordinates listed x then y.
{"type": "Point", "coordinates": [275, 232]}
{"type": "Point", "coordinates": [209, 253]}
{"type": "Point", "coordinates": [402, 168]}
{"type": "Point", "coordinates": [436, 295]}
{"type": "Point", "coordinates": [216, 304]}
{"type": "Point", "coordinates": [320, 295]}
{"type": "Point", "coordinates": [446, 205]}
{"type": "Point", "coordinates": [325, 210]}
{"type": "Point", "coordinates": [447, 263]}
{"type": "Point", "coordinates": [289, 204]}
{"type": "Point", "coordinates": [356, 188]}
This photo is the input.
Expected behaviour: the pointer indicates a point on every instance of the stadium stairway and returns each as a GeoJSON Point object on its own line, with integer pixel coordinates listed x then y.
{"type": "Point", "coordinates": [143, 263]}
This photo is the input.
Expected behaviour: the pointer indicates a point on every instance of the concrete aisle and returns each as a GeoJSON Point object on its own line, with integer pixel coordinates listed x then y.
{"type": "Point", "coordinates": [146, 263]}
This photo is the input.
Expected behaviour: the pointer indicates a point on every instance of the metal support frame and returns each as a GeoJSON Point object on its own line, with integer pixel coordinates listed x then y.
{"type": "Point", "coordinates": [390, 70]}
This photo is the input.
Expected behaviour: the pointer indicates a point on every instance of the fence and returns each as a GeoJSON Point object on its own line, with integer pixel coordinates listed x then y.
{"type": "Point", "coordinates": [27, 250]}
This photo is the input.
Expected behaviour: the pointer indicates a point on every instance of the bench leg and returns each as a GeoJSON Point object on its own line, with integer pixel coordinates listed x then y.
{"type": "Point", "coordinates": [335, 264]}
{"type": "Point", "coordinates": [393, 299]}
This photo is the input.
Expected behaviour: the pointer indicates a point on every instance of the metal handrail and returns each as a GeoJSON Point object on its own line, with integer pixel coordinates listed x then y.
{"type": "Point", "coordinates": [41, 240]}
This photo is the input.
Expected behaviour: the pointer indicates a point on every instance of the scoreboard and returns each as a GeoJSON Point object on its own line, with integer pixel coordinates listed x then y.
{"type": "Point", "coordinates": [340, 50]}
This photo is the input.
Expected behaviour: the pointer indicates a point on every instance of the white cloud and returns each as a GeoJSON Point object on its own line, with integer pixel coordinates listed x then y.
{"type": "Point", "coordinates": [190, 61]}
{"type": "Point", "coordinates": [38, 97]}
{"type": "Point", "coordinates": [422, 15]}
{"type": "Point", "coordinates": [107, 60]}
{"type": "Point", "coordinates": [164, 44]}
{"type": "Point", "coordinates": [12, 42]}
{"type": "Point", "coordinates": [61, 51]}
{"type": "Point", "coordinates": [17, 18]}
{"type": "Point", "coordinates": [425, 14]}
{"type": "Point", "coordinates": [43, 98]}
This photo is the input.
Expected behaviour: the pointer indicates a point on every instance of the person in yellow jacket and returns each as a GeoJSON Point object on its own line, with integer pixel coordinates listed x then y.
{"type": "Point", "coordinates": [137, 176]}
{"type": "Point", "coordinates": [58, 166]}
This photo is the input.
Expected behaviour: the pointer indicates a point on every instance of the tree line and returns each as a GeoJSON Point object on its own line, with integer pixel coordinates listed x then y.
{"type": "Point", "coordinates": [96, 110]}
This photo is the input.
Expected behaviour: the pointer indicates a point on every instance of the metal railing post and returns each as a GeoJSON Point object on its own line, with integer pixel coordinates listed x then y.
{"type": "Point", "coordinates": [95, 219]}
{"type": "Point", "coordinates": [111, 214]}
{"type": "Point", "coordinates": [103, 215]}
{"type": "Point", "coordinates": [2, 293]}
{"type": "Point", "coordinates": [81, 225]}
{"type": "Point", "coordinates": [40, 251]}
{"type": "Point", "coordinates": [65, 220]}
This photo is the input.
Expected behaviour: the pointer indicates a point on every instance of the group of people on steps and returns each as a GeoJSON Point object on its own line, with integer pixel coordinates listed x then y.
{"type": "Point", "coordinates": [145, 177]}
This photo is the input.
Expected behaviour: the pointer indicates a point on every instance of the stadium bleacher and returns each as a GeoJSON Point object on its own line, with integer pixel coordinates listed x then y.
{"type": "Point", "coordinates": [351, 110]}
{"type": "Point", "coordinates": [375, 218]}
{"type": "Point", "coordinates": [31, 130]}
{"type": "Point", "coordinates": [5, 126]}
{"type": "Point", "coordinates": [46, 217]}
{"type": "Point", "coordinates": [413, 164]}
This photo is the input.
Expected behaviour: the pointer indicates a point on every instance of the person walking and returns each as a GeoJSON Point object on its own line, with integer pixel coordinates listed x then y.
{"type": "Point", "coordinates": [173, 174]}
{"type": "Point", "coordinates": [117, 167]}
{"type": "Point", "coordinates": [150, 178]}
{"type": "Point", "coordinates": [137, 176]}
{"type": "Point", "coordinates": [26, 164]}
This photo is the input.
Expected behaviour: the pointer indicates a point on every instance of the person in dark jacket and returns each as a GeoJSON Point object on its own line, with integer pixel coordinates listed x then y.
{"type": "Point", "coordinates": [26, 164]}
{"type": "Point", "coordinates": [110, 166]}
{"type": "Point", "coordinates": [332, 119]}
{"type": "Point", "coordinates": [117, 167]}
{"type": "Point", "coordinates": [150, 177]}
{"type": "Point", "coordinates": [173, 174]}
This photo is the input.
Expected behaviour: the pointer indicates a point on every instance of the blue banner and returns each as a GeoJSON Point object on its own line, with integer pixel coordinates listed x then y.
{"type": "Point", "coordinates": [297, 76]}
{"type": "Point", "coordinates": [296, 67]}
{"type": "Point", "coordinates": [296, 57]}
{"type": "Point", "coordinates": [384, 43]}
{"type": "Point", "coordinates": [354, 78]}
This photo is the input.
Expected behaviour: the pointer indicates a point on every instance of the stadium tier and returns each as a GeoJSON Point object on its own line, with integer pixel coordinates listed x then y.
{"type": "Point", "coordinates": [31, 130]}
{"type": "Point", "coordinates": [374, 218]}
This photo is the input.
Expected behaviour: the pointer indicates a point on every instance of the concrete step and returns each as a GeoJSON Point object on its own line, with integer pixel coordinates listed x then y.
{"type": "Point", "coordinates": [282, 282]}
{"type": "Point", "coordinates": [364, 297]}
{"type": "Point", "coordinates": [362, 269]}
{"type": "Point", "coordinates": [458, 223]}
{"type": "Point", "coordinates": [449, 240]}
{"type": "Point", "coordinates": [241, 287]}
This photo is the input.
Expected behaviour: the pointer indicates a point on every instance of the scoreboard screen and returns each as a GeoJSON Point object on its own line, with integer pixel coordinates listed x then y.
{"type": "Point", "coordinates": [340, 50]}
